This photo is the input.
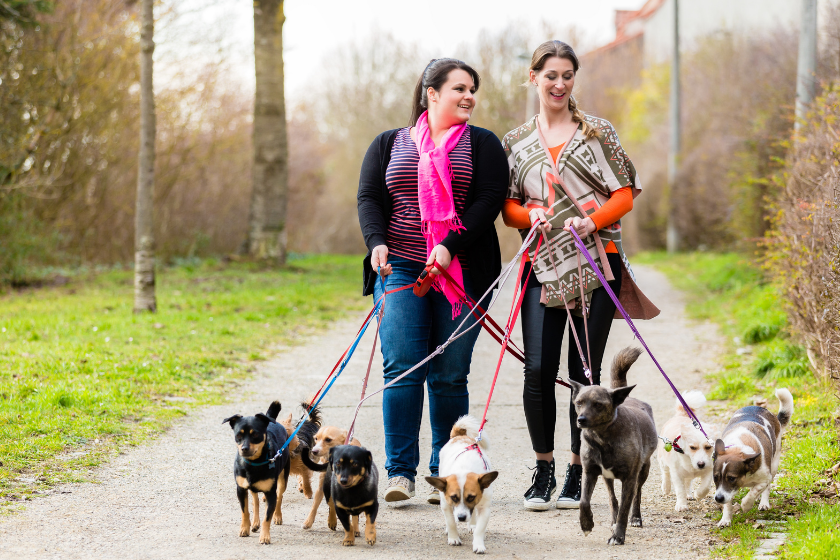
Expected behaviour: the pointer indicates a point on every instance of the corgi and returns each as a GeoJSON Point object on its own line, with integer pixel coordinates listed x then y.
{"type": "Point", "coordinates": [748, 455]}
{"type": "Point", "coordinates": [691, 455]}
{"type": "Point", "coordinates": [464, 482]}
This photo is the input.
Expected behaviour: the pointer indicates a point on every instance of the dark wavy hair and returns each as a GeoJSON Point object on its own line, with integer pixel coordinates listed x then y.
{"type": "Point", "coordinates": [434, 76]}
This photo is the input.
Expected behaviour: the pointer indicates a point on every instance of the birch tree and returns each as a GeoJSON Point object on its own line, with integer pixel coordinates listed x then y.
{"type": "Point", "coordinates": [267, 221]}
{"type": "Point", "coordinates": [144, 240]}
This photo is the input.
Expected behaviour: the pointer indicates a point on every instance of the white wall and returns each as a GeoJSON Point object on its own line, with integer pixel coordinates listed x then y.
{"type": "Point", "coordinates": [701, 18]}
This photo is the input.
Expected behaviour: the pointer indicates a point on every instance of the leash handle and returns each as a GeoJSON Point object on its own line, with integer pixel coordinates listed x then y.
{"type": "Point", "coordinates": [582, 248]}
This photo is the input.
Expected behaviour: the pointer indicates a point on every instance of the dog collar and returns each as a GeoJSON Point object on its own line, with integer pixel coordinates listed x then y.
{"type": "Point", "coordinates": [261, 463]}
{"type": "Point", "coordinates": [480, 454]}
{"type": "Point", "coordinates": [672, 444]}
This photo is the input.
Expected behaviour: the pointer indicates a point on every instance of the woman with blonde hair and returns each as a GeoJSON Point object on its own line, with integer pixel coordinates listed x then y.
{"type": "Point", "coordinates": [567, 170]}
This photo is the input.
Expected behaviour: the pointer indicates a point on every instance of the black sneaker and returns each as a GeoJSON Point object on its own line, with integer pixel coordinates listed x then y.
{"type": "Point", "coordinates": [538, 496]}
{"type": "Point", "coordinates": [569, 497]}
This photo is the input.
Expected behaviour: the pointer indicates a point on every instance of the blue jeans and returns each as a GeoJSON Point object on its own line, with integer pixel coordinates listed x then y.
{"type": "Point", "coordinates": [412, 328]}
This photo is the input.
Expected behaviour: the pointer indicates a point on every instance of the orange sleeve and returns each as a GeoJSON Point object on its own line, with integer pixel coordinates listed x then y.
{"type": "Point", "coordinates": [515, 215]}
{"type": "Point", "coordinates": [620, 202]}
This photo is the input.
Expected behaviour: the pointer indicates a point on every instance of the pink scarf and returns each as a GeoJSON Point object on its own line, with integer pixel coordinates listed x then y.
{"type": "Point", "coordinates": [437, 207]}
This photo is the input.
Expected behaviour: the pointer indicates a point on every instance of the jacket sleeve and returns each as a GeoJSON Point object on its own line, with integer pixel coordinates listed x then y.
{"type": "Point", "coordinates": [369, 203]}
{"type": "Point", "coordinates": [490, 181]}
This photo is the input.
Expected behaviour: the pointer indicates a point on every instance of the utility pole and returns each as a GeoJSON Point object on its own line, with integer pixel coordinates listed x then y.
{"type": "Point", "coordinates": [807, 65]}
{"type": "Point", "coordinates": [672, 235]}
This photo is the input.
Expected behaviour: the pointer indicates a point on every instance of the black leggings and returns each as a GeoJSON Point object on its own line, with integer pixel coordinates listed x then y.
{"type": "Point", "coordinates": [542, 331]}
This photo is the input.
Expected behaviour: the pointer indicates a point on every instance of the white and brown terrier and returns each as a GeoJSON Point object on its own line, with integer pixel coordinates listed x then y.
{"type": "Point", "coordinates": [748, 455]}
{"type": "Point", "coordinates": [464, 482]}
{"type": "Point", "coordinates": [690, 456]}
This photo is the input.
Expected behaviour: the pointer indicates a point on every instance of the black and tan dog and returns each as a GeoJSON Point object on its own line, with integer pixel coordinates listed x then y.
{"type": "Point", "coordinates": [258, 438]}
{"type": "Point", "coordinates": [350, 488]}
{"type": "Point", "coordinates": [617, 441]}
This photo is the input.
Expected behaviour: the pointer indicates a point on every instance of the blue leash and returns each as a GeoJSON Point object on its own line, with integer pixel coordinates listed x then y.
{"type": "Point", "coordinates": [341, 369]}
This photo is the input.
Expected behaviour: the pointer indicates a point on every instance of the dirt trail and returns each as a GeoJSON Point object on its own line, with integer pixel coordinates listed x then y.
{"type": "Point", "coordinates": [175, 497]}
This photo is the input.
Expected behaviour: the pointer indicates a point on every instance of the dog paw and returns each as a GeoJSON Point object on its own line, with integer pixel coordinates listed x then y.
{"type": "Point", "coordinates": [308, 495]}
{"type": "Point", "coordinates": [479, 548]}
{"type": "Point", "coordinates": [586, 533]}
{"type": "Point", "coordinates": [348, 542]}
{"type": "Point", "coordinates": [454, 542]}
{"type": "Point", "coordinates": [615, 540]}
{"type": "Point", "coordinates": [472, 528]}
{"type": "Point", "coordinates": [245, 532]}
{"type": "Point", "coordinates": [358, 533]}
{"type": "Point", "coordinates": [371, 540]}
{"type": "Point", "coordinates": [265, 539]}
{"type": "Point", "coordinates": [255, 528]}
{"type": "Point", "coordinates": [763, 507]}
{"type": "Point", "coordinates": [586, 522]}
{"type": "Point", "coordinates": [681, 507]}
{"type": "Point", "coordinates": [724, 523]}
{"type": "Point", "coordinates": [307, 524]}
{"type": "Point", "coordinates": [691, 498]}
{"type": "Point", "coordinates": [636, 522]}
{"type": "Point", "coordinates": [278, 520]}
{"type": "Point", "coordinates": [332, 526]}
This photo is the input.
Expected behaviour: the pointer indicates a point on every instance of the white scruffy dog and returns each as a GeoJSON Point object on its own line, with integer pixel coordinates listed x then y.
{"type": "Point", "coordinates": [464, 482]}
{"type": "Point", "coordinates": [691, 457]}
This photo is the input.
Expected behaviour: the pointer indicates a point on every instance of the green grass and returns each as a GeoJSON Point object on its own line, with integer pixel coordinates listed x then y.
{"type": "Point", "coordinates": [81, 375]}
{"type": "Point", "coordinates": [760, 356]}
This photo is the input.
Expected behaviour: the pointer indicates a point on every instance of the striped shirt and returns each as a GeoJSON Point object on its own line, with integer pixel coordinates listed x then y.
{"type": "Point", "coordinates": [404, 236]}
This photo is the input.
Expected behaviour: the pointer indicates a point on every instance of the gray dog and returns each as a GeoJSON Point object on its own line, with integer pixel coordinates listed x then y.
{"type": "Point", "coordinates": [618, 440]}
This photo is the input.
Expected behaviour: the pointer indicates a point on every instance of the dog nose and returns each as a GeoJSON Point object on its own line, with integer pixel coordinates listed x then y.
{"type": "Point", "coordinates": [581, 420]}
{"type": "Point", "coordinates": [719, 498]}
{"type": "Point", "coordinates": [462, 517]}
{"type": "Point", "coordinates": [701, 464]}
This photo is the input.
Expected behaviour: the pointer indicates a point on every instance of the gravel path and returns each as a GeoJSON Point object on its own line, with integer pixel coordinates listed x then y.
{"type": "Point", "coordinates": [175, 497]}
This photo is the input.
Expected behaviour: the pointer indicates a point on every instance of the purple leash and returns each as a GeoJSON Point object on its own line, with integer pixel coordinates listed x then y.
{"type": "Point", "coordinates": [582, 249]}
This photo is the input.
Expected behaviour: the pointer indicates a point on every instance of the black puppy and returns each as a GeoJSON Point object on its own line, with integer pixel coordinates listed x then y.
{"type": "Point", "coordinates": [258, 438]}
{"type": "Point", "coordinates": [350, 488]}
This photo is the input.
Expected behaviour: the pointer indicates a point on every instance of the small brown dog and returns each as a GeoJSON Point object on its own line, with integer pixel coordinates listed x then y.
{"type": "Point", "coordinates": [326, 438]}
{"type": "Point", "coordinates": [305, 436]}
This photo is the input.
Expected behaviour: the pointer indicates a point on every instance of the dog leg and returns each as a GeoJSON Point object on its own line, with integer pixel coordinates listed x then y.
{"type": "Point", "coordinates": [749, 500]}
{"type": "Point", "coordinates": [590, 477]}
{"type": "Point", "coordinates": [681, 491]}
{"type": "Point", "coordinates": [281, 488]}
{"type": "Point", "coordinates": [666, 477]}
{"type": "Point", "coordinates": [636, 517]}
{"type": "Point", "coordinates": [726, 518]}
{"type": "Point", "coordinates": [271, 507]}
{"type": "Point", "coordinates": [306, 485]}
{"type": "Point", "coordinates": [354, 521]}
{"type": "Point", "coordinates": [245, 526]}
{"type": "Point", "coordinates": [316, 502]}
{"type": "Point", "coordinates": [349, 535]}
{"type": "Point", "coordinates": [452, 536]}
{"type": "Point", "coordinates": [332, 522]}
{"type": "Point", "coordinates": [628, 494]}
{"type": "Point", "coordinates": [764, 504]}
{"type": "Point", "coordinates": [255, 499]}
{"type": "Point", "coordinates": [480, 530]}
{"type": "Point", "coordinates": [705, 486]}
{"type": "Point", "coordinates": [370, 528]}
{"type": "Point", "coordinates": [613, 501]}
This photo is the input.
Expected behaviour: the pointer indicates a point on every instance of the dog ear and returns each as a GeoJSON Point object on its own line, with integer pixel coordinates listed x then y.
{"type": "Point", "coordinates": [368, 461]}
{"type": "Point", "coordinates": [720, 448]}
{"type": "Point", "coordinates": [576, 387]}
{"type": "Point", "coordinates": [487, 479]}
{"type": "Point", "coordinates": [264, 418]}
{"type": "Point", "coordinates": [620, 394]}
{"type": "Point", "coordinates": [437, 482]}
{"type": "Point", "coordinates": [752, 462]}
{"type": "Point", "coordinates": [232, 420]}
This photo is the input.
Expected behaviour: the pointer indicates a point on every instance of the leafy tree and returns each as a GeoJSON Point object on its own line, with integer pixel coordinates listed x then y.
{"type": "Point", "coordinates": [23, 11]}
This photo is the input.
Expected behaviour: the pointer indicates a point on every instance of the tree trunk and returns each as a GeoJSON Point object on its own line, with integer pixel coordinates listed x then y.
{"type": "Point", "coordinates": [267, 223]}
{"type": "Point", "coordinates": [144, 239]}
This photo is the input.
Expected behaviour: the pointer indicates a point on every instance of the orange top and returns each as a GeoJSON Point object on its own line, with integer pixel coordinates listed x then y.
{"type": "Point", "coordinates": [621, 201]}
{"type": "Point", "coordinates": [555, 151]}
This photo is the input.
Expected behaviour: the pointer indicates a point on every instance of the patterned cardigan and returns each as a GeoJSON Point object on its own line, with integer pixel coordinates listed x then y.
{"type": "Point", "coordinates": [591, 170]}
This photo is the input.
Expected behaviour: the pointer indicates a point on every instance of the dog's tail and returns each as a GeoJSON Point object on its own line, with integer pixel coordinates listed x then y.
{"type": "Point", "coordinates": [694, 400]}
{"type": "Point", "coordinates": [314, 413]}
{"type": "Point", "coordinates": [621, 363]}
{"type": "Point", "coordinates": [307, 460]}
{"type": "Point", "coordinates": [273, 410]}
{"type": "Point", "coordinates": [468, 426]}
{"type": "Point", "coordinates": [785, 407]}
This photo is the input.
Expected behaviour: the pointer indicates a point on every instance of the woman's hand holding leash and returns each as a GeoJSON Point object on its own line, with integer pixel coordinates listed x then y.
{"type": "Point", "coordinates": [538, 215]}
{"type": "Point", "coordinates": [441, 255]}
{"type": "Point", "coordinates": [379, 258]}
{"type": "Point", "coordinates": [583, 226]}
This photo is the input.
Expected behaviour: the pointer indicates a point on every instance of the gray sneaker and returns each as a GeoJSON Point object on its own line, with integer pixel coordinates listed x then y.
{"type": "Point", "coordinates": [433, 497]}
{"type": "Point", "coordinates": [399, 489]}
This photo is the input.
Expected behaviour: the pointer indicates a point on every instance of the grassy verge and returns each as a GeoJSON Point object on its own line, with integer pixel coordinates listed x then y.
{"type": "Point", "coordinates": [81, 376]}
{"type": "Point", "coordinates": [760, 356]}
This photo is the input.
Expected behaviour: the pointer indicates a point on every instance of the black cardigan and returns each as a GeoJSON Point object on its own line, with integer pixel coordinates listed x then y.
{"type": "Point", "coordinates": [484, 202]}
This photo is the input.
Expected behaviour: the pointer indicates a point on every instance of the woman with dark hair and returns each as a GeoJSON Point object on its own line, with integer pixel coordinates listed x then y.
{"type": "Point", "coordinates": [567, 170]}
{"type": "Point", "coordinates": [430, 192]}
